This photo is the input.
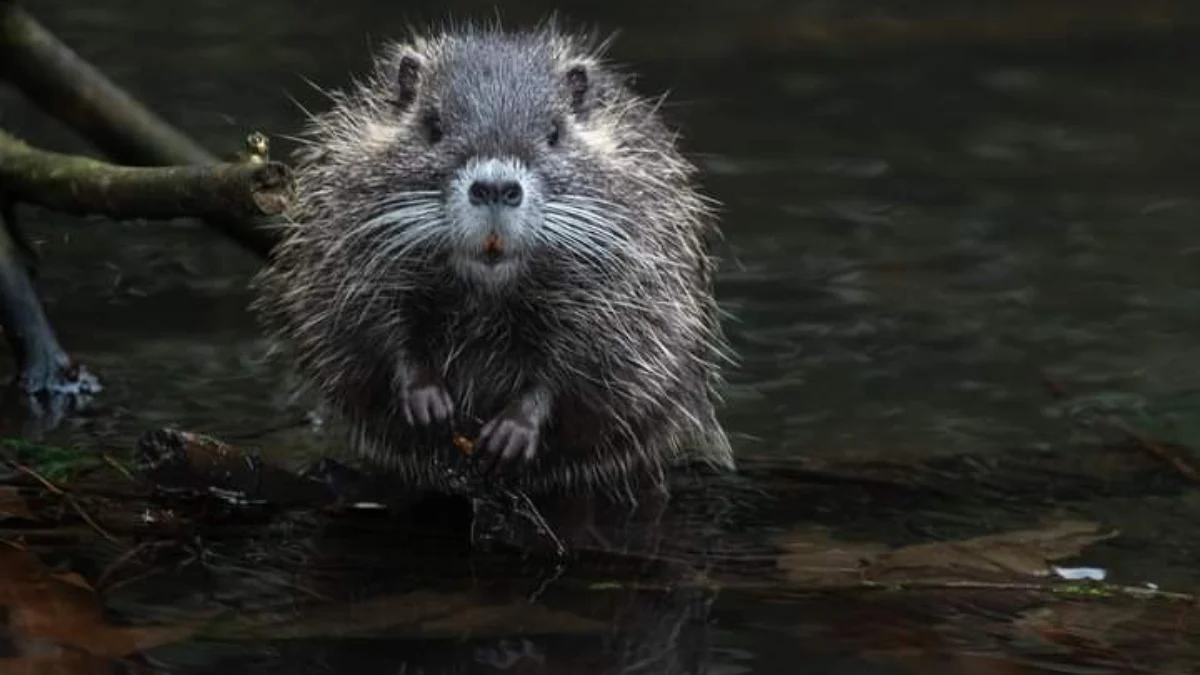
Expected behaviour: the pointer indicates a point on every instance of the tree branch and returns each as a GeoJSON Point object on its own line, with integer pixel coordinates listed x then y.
{"type": "Point", "coordinates": [232, 198]}
{"type": "Point", "coordinates": [71, 90]}
{"type": "Point", "coordinates": [80, 185]}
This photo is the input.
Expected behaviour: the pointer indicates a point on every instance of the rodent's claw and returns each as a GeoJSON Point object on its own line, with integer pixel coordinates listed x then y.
{"type": "Point", "coordinates": [506, 438]}
{"type": "Point", "coordinates": [427, 404]}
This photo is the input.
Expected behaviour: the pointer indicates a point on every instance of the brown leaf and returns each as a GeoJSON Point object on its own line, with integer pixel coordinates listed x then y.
{"type": "Point", "coordinates": [1077, 624]}
{"type": "Point", "coordinates": [1019, 553]}
{"type": "Point", "coordinates": [59, 614]}
{"type": "Point", "coordinates": [812, 557]}
{"type": "Point", "coordinates": [73, 579]}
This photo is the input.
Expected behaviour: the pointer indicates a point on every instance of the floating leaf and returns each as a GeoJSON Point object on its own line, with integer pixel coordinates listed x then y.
{"type": "Point", "coordinates": [812, 557]}
{"type": "Point", "coordinates": [1021, 553]}
{"type": "Point", "coordinates": [45, 609]}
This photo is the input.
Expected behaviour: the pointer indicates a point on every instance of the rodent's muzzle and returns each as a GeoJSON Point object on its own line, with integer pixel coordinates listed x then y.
{"type": "Point", "coordinates": [492, 209]}
{"type": "Point", "coordinates": [495, 195]}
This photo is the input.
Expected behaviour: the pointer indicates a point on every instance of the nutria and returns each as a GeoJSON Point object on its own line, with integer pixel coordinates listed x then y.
{"type": "Point", "coordinates": [493, 228]}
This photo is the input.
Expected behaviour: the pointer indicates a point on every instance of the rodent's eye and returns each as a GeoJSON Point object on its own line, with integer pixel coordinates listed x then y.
{"type": "Point", "coordinates": [555, 134]}
{"type": "Point", "coordinates": [433, 127]}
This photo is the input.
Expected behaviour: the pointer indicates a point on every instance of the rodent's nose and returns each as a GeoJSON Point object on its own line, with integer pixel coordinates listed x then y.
{"type": "Point", "coordinates": [501, 193]}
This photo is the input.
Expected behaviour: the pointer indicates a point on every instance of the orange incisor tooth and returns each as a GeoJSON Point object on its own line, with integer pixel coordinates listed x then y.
{"type": "Point", "coordinates": [492, 244]}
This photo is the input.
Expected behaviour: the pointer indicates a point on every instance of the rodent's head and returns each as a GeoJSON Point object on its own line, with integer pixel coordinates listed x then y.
{"type": "Point", "coordinates": [495, 153]}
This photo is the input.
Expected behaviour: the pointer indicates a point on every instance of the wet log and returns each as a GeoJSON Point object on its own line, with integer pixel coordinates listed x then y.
{"type": "Point", "coordinates": [81, 185]}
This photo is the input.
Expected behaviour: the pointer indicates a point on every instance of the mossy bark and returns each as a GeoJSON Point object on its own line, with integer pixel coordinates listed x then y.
{"type": "Point", "coordinates": [81, 185]}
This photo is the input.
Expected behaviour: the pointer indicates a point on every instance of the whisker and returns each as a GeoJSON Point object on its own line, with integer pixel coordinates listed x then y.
{"type": "Point", "coordinates": [398, 209]}
{"type": "Point", "coordinates": [417, 233]}
{"type": "Point", "coordinates": [595, 231]}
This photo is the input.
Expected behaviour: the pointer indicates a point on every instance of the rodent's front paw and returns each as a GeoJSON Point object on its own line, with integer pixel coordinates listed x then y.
{"type": "Point", "coordinates": [507, 437]}
{"type": "Point", "coordinates": [427, 401]}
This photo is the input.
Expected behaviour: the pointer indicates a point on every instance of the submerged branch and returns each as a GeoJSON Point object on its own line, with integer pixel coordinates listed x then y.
{"type": "Point", "coordinates": [63, 85]}
{"type": "Point", "coordinates": [48, 376]}
{"type": "Point", "coordinates": [80, 185]}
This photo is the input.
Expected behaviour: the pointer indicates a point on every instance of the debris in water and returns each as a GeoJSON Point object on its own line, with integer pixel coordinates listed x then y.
{"type": "Point", "coordinates": [1081, 573]}
{"type": "Point", "coordinates": [465, 444]}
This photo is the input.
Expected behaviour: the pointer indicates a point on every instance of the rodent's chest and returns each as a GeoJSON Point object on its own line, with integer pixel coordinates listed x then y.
{"type": "Point", "coordinates": [487, 356]}
{"type": "Point", "coordinates": [476, 331]}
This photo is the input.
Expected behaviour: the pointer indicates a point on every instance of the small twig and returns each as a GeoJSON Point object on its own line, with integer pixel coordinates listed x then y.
{"type": "Point", "coordinates": [54, 489]}
{"type": "Point", "coordinates": [125, 558]}
{"type": "Point", "coordinates": [1059, 389]}
{"type": "Point", "coordinates": [560, 567]}
{"type": "Point", "coordinates": [120, 562]}
{"type": "Point", "coordinates": [81, 185]}
{"type": "Point", "coordinates": [1158, 451]}
{"type": "Point", "coordinates": [1071, 590]}
{"type": "Point", "coordinates": [267, 577]}
{"type": "Point", "coordinates": [1074, 590]}
{"type": "Point", "coordinates": [120, 469]}
{"type": "Point", "coordinates": [68, 499]}
{"type": "Point", "coordinates": [524, 506]}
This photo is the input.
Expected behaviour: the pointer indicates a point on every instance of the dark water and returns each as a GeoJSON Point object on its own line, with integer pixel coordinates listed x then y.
{"type": "Point", "coordinates": [914, 239]}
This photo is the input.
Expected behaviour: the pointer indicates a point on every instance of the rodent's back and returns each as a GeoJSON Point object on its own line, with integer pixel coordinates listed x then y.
{"type": "Point", "coordinates": [597, 279]}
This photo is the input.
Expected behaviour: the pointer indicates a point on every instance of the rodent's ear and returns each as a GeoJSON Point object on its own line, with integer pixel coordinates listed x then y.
{"type": "Point", "coordinates": [578, 85]}
{"type": "Point", "coordinates": [408, 79]}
